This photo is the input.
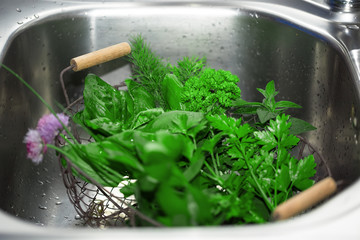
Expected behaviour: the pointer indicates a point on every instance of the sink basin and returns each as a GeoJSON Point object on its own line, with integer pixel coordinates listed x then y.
{"type": "Point", "coordinates": [310, 52]}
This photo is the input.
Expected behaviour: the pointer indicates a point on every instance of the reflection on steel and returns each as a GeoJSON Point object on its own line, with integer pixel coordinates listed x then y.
{"type": "Point", "coordinates": [345, 5]}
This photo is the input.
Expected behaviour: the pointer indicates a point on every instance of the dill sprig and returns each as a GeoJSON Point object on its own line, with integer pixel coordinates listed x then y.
{"type": "Point", "coordinates": [148, 69]}
{"type": "Point", "coordinates": [188, 68]}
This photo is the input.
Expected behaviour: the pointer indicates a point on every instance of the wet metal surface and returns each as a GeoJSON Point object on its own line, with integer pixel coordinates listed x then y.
{"type": "Point", "coordinates": [311, 52]}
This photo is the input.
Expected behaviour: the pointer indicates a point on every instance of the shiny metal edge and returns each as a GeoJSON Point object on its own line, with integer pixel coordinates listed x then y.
{"type": "Point", "coordinates": [338, 28]}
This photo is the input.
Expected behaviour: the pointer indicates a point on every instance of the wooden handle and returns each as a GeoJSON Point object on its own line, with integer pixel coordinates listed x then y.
{"type": "Point", "coordinates": [100, 56]}
{"type": "Point", "coordinates": [305, 199]}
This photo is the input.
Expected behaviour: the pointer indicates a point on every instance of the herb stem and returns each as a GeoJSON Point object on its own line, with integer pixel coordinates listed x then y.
{"type": "Point", "coordinates": [214, 163]}
{"type": "Point", "coordinates": [58, 150]}
{"type": "Point", "coordinates": [217, 159]}
{"type": "Point", "coordinates": [276, 175]}
{"type": "Point", "coordinates": [218, 180]}
{"type": "Point", "coordinates": [287, 192]}
{"type": "Point", "coordinates": [210, 169]}
{"type": "Point", "coordinates": [261, 190]}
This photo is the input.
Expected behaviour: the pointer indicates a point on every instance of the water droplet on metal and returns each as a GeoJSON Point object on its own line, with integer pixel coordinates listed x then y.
{"type": "Point", "coordinates": [20, 22]}
{"type": "Point", "coordinates": [36, 16]}
{"type": "Point", "coordinates": [40, 182]}
{"type": "Point", "coordinates": [77, 217]}
{"type": "Point", "coordinates": [355, 122]}
{"type": "Point", "coordinates": [58, 203]}
{"type": "Point", "coordinates": [18, 9]}
{"type": "Point", "coordinates": [42, 207]}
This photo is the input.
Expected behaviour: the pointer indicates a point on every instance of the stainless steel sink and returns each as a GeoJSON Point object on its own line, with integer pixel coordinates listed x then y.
{"type": "Point", "coordinates": [310, 50]}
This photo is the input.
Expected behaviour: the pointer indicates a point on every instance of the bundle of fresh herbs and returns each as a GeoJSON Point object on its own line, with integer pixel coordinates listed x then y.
{"type": "Point", "coordinates": [191, 163]}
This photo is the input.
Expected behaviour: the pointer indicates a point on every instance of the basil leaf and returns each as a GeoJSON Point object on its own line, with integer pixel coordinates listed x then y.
{"type": "Point", "coordinates": [104, 125]}
{"type": "Point", "coordinates": [172, 120]}
{"type": "Point", "coordinates": [146, 116]}
{"type": "Point", "coordinates": [102, 100]}
{"type": "Point", "coordinates": [172, 90]}
{"type": "Point", "coordinates": [142, 99]}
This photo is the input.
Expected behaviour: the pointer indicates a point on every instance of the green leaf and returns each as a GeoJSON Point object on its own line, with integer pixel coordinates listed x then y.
{"type": "Point", "coordinates": [265, 115]}
{"type": "Point", "coordinates": [258, 212]}
{"type": "Point", "coordinates": [198, 205]}
{"type": "Point", "coordinates": [302, 171]}
{"type": "Point", "coordinates": [175, 121]}
{"type": "Point", "coordinates": [119, 157]}
{"type": "Point", "coordinates": [146, 116]}
{"type": "Point", "coordinates": [286, 104]}
{"type": "Point", "coordinates": [210, 143]}
{"type": "Point", "coordinates": [267, 139]}
{"type": "Point", "coordinates": [174, 204]}
{"type": "Point", "coordinates": [91, 159]}
{"type": "Point", "coordinates": [142, 99]}
{"type": "Point", "coordinates": [196, 164]}
{"type": "Point", "coordinates": [101, 100]}
{"type": "Point", "coordinates": [128, 190]}
{"type": "Point", "coordinates": [105, 126]}
{"type": "Point", "coordinates": [283, 178]}
{"type": "Point", "coordinates": [299, 126]}
{"type": "Point", "coordinates": [243, 107]}
{"type": "Point", "coordinates": [106, 110]}
{"type": "Point", "coordinates": [269, 93]}
{"type": "Point", "coordinates": [226, 124]}
{"type": "Point", "coordinates": [172, 90]}
{"type": "Point", "coordinates": [239, 102]}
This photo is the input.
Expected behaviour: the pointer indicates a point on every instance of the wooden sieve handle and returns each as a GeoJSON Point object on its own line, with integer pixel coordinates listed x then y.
{"type": "Point", "coordinates": [100, 56]}
{"type": "Point", "coordinates": [305, 199]}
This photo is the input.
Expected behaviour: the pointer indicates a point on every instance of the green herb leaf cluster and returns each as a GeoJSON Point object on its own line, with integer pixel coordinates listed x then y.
{"type": "Point", "coordinates": [191, 164]}
{"type": "Point", "coordinates": [212, 91]}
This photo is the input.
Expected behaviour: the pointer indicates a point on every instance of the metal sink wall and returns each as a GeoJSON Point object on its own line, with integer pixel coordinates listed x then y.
{"type": "Point", "coordinates": [258, 41]}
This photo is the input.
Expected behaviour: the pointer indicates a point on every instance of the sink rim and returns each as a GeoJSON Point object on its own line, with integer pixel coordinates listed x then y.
{"type": "Point", "coordinates": [317, 222]}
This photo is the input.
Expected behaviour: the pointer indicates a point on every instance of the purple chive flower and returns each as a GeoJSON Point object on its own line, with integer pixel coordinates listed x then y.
{"type": "Point", "coordinates": [34, 145]}
{"type": "Point", "coordinates": [49, 126]}
{"type": "Point", "coordinates": [47, 129]}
